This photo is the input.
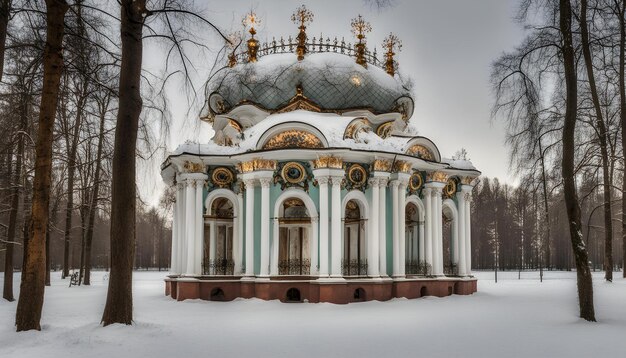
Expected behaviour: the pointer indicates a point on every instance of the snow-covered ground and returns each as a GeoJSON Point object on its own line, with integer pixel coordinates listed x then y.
{"type": "Point", "coordinates": [511, 318]}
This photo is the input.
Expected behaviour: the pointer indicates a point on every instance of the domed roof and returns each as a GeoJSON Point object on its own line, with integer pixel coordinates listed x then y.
{"type": "Point", "coordinates": [329, 81]}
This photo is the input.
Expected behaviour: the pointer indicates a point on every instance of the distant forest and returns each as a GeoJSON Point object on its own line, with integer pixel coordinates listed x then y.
{"type": "Point", "coordinates": [510, 227]}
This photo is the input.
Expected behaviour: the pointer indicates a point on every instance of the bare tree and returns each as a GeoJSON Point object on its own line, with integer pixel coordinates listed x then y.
{"type": "Point", "coordinates": [30, 302]}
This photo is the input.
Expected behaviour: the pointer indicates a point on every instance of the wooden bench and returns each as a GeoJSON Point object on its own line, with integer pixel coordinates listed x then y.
{"type": "Point", "coordinates": [74, 280]}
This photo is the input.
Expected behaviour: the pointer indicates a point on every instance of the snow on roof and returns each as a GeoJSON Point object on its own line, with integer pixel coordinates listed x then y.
{"type": "Point", "coordinates": [331, 80]}
{"type": "Point", "coordinates": [331, 125]}
{"type": "Point", "coordinates": [459, 163]}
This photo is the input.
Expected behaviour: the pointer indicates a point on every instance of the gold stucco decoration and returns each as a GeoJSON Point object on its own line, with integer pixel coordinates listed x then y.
{"type": "Point", "coordinates": [293, 173]}
{"type": "Point", "coordinates": [293, 138]}
{"type": "Point", "coordinates": [328, 162]}
{"type": "Point", "coordinates": [421, 152]}
{"type": "Point", "coordinates": [381, 165]}
{"type": "Point", "coordinates": [450, 188]}
{"type": "Point", "coordinates": [415, 182]}
{"type": "Point", "coordinates": [384, 130]}
{"type": "Point", "coordinates": [256, 165]}
{"type": "Point", "coordinates": [222, 177]}
{"type": "Point", "coordinates": [191, 167]}
{"type": "Point", "coordinates": [440, 177]}
{"type": "Point", "coordinates": [402, 167]}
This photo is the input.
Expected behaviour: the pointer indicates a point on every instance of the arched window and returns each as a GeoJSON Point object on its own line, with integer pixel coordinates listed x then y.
{"type": "Point", "coordinates": [294, 228]}
{"type": "Point", "coordinates": [354, 261]}
{"type": "Point", "coordinates": [218, 241]}
{"type": "Point", "coordinates": [412, 263]}
{"type": "Point", "coordinates": [448, 236]}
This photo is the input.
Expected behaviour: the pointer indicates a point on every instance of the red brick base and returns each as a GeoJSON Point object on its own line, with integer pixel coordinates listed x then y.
{"type": "Point", "coordinates": [340, 291]}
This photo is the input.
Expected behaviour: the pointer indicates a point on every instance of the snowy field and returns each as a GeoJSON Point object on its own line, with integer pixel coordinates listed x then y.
{"type": "Point", "coordinates": [511, 318]}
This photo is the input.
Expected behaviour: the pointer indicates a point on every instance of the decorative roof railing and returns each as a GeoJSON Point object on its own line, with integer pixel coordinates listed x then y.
{"type": "Point", "coordinates": [301, 44]}
{"type": "Point", "coordinates": [313, 46]}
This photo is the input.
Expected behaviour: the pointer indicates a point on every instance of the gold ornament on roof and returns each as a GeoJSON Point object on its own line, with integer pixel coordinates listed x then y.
{"type": "Point", "coordinates": [293, 138]}
{"type": "Point", "coordinates": [256, 165]}
{"type": "Point", "coordinates": [359, 28]}
{"type": "Point", "coordinates": [303, 17]}
{"type": "Point", "coordinates": [392, 44]}
{"type": "Point", "coordinates": [251, 20]}
{"type": "Point", "coordinates": [381, 165]}
{"type": "Point", "coordinates": [328, 162]}
{"type": "Point", "coordinates": [421, 152]}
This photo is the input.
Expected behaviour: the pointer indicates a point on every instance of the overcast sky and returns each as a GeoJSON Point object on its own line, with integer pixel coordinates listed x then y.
{"type": "Point", "coordinates": [448, 46]}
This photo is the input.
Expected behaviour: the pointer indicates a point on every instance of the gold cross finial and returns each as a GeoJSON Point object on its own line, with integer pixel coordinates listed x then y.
{"type": "Point", "coordinates": [302, 16]}
{"type": "Point", "coordinates": [359, 28]}
{"type": "Point", "coordinates": [392, 44]}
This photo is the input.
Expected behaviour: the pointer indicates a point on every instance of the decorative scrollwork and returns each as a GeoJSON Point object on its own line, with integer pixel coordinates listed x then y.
{"type": "Point", "coordinates": [294, 267]}
{"type": "Point", "coordinates": [222, 177]}
{"type": "Point", "coordinates": [293, 138]}
{"type": "Point", "coordinates": [415, 182]}
{"type": "Point", "coordinates": [450, 189]}
{"type": "Point", "coordinates": [218, 267]}
{"type": "Point", "coordinates": [357, 177]}
{"type": "Point", "coordinates": [293, 174]}
{"type": "Point", "coordinates": [354, 267]}
{"type": "Point", "coordinates": [421, 152]}
{"type": "Point", "coordinates": [450, 269]}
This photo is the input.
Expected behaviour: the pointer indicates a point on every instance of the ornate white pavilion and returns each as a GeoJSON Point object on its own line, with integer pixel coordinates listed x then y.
{"type": "Point", "coordinates": [314, 188]}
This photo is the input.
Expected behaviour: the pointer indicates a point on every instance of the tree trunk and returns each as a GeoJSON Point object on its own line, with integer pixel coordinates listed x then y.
{"type": "Point", "coordinates": [585, 287]}
{"type": "Point", "coordinates": [5, 9]}
{"type": "Point", "coordinates": [544, 183]}
{"type": "Point", "coordinates": [602, 136]}
{"type": "Point", "coordinates": [7, 292]}
{"type": "Point", "coordinates": [30, 302]}
{"type": "Point", "coordinates": [622, 97]}
{"type": "Point", "coordinates": [119, 303]}
{"type": "Point", "coordinates": [93, 205]}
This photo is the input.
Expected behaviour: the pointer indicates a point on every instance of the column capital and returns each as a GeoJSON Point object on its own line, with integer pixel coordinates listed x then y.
{"type": "Point", "coordinates": [322, 180]}
{"type": "Point", "coordinates": [314, 219]}
{"type": "Point", "coordinates": [374, 182]}
{"type": "Point", "coordinates": [265, 182]}
{"type": "Point", "coordinates": [394, 183]}
{"type": "Point", "coordinates": [249, 183]}
{"type": "Point", "coordinates": [336, 180]}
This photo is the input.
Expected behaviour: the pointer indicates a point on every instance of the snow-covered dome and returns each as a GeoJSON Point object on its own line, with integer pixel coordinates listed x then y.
{"type": "Point", "coordinates": [330, 81]}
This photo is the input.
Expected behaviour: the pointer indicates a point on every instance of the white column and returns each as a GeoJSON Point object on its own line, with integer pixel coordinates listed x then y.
{"type": "Point", "coordinates": [396, 228]}
{"type": "Point", "coordinates": [323, 231]}
{"type": "Point", "coordinates": [313, 238]}
{"type": "Point", "coordinates": [238, 236]}
{"type": "Point", "coordinates": [182, 220]}
{"type": "Point", "coordinates": [212, 245]}
{"type": "Point", "coordinates": [249, 227]}
{"type": "Point", "coordinates": [265, 226]}
{"type": "Point", "coordinates": [190, 225]}
{"type": "Point", "coordinates": [174, 270]}
{"type": "Point", "coordinates": [415, 239]}
{"type": "Point", "coordinates": [460, 197]}
{"type": "Point", "coordinates": [336, 226]}
{"type": "Point", "coordinates": [274, 248]}
{"type": "Point", "coordinates": [402, 226]}
{"type": "Point", "coordinates": [382, 227]}
{"type": "Point", "coordinates": [420, 239]}
{"type": "Point", "coordinates": [439, 240]}
{"type": "Point", "coordinates": [372, 239]}
{"type": "Point", "coordinates": [199, 235]}
{"type": "Point", "coordinates": [468, 234]}
{"type": "Point", "coordinates": [428, 242]}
